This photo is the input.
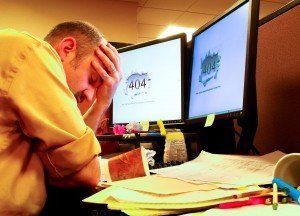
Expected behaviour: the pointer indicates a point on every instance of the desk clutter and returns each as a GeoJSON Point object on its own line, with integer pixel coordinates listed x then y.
{"type": "Point", "coordinates": [127, 165]}
{"type": "Point", "coordinates": [208, 181]}
{"type": "Point", "coordinates": [158, 165]}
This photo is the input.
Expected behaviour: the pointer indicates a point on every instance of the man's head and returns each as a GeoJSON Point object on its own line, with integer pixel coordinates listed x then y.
{"type": "Point", "coordinates": [76, 42]}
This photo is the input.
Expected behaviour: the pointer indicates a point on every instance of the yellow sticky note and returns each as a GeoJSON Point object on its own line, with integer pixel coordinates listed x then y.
{"type": "Point", "coordinates": [209, 120]}
{"type": "Point", "coordinates": [145, 125]}
{"type": "Point", "coordinates": [161, 127]}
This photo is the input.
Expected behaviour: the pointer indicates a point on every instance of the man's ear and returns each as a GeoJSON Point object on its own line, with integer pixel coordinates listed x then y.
{"type": "Point", "coordinates": [65, 47]}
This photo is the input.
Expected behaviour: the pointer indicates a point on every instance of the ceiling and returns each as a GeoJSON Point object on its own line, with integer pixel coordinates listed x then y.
{"type": "Point", "coordinates": [153, 16]}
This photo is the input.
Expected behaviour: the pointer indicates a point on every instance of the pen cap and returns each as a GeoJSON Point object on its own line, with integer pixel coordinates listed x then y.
{"type": "Point", "coordinates": [288, 169]}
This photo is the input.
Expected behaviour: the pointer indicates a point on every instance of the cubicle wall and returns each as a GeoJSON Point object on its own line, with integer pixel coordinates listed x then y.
{"type": "Point", "coordinates": [278, 81]}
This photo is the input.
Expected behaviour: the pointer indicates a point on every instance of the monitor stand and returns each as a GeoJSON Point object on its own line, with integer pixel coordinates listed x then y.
{"type": "Point", "coordinates": [218, 138]}
{"type": "Point", "coordinates": [245, 144]}
{"type": "Point", "coordinates": [249, 123]}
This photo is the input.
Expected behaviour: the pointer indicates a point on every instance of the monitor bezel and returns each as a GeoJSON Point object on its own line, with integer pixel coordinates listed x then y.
{"type": "Point", "coordinates": [182, 37]}
{"type": "Point", "coordinates": [250, 61]}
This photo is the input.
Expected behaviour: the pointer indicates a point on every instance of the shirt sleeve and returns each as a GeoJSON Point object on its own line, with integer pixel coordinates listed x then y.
{"type": "Point", "coordinates": [47, 110]}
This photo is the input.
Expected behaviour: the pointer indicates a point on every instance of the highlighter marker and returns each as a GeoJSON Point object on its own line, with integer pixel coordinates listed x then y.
{"type": "Point", "coordinates": [235, 204]}
{"type": "Point", "coordinates": [291, 191]}
{"type": "Point", "coordinates": [275, 197]}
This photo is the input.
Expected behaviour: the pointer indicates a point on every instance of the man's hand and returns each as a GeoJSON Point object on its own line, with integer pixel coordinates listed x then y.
{"type": "Point", "coordinates": [109, 69]}
{"type": "Point", "coordinates": [107, 65]}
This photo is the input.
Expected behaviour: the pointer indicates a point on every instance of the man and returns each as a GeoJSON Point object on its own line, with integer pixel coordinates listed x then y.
{"type": "Point", "coordinates": [43, 136]}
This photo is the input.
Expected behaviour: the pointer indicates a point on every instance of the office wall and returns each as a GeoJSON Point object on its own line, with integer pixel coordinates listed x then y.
{"type": "Point", "coordinates": [278, 83]}
{"type": "Point", "coordinates": [116, 20]}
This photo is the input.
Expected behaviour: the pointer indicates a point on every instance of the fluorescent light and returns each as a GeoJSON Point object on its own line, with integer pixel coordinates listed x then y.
{"type": "Point", "coordinates": [171, 30]}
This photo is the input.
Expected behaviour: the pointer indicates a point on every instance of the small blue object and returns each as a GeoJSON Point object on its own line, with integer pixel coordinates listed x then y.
{"type": "Point", "coordinates": [150, 134]}
{"type": "Point", "coordinates": [290, 190]}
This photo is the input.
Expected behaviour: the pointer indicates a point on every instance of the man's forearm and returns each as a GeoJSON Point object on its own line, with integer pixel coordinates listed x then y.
{"type": "Point", "coordinates": [94, 114]}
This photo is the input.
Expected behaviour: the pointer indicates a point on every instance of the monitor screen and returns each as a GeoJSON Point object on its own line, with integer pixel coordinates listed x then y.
{"type": "Point", "coordinates": [219, 71]}
{"type": "Point", "coordinates": [152, 84]}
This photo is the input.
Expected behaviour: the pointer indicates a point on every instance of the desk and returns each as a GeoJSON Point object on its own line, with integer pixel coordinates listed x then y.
{"type": "Point", "coordinates": [158, 142]}
{"type": "Point", "coordinates": [136, 200]}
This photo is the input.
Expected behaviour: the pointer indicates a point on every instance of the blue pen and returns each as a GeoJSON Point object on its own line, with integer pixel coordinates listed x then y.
{"type": "Point", "coordinates": [292, 192]}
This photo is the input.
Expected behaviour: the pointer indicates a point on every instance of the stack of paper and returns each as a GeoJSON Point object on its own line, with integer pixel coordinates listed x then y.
{"type": "Point", "coordinates": [196, 185]}
{"type": "Point", "coordinates": [225, 170]}
{"type": "Point", "coordinates": [154, 195]}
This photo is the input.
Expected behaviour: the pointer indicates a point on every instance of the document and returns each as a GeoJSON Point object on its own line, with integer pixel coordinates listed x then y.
{"type": "Point", "coordinates": [118, 198]}
{"type": "Point", "coordinates": [161, 185]}
{"type": "Point", "coordinates": [225, 169]}
{"type": "Point", "coordinates": [160, 195]}
{"type": "Point", "coordinates": [126, 195]}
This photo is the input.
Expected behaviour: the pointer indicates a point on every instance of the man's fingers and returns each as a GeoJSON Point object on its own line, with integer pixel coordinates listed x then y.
{"type": "Point", "coordinates": [112, 54]}
{"type": "Point", "coordinates": [103, 74]}
{"type": "Point", "coordinates": [114, 50]}
{"type": "Point", "coordinates": [107, 62]}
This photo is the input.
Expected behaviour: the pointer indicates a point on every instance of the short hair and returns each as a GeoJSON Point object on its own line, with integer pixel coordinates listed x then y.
{"type": "Point", "coordinates": [86, 35]}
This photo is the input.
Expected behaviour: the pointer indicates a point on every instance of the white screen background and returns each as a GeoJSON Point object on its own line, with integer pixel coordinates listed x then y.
{"type": "Point", "coordinates": [160, 98]}
{"type": "Point", "coordinates": [228, 37]}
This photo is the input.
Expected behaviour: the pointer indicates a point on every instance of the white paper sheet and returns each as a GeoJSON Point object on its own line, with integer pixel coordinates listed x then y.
{"type": "Point", "coordinates": [225, 169]}
{"type": "Point", "coordinates": [127, 195]}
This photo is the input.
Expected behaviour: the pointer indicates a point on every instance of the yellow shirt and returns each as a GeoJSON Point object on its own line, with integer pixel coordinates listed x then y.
{"type": "Point", "coordinates": [41, 128]}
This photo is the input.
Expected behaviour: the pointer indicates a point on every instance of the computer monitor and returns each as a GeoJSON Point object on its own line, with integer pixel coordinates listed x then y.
{"type": "Point", "coordinates": [152, 84]}
{"type": "Point", "coordinates": [222, 72]}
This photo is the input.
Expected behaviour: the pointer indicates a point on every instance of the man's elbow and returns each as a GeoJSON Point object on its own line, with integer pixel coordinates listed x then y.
{"type": "Point", "coordinates": [88, 176]}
